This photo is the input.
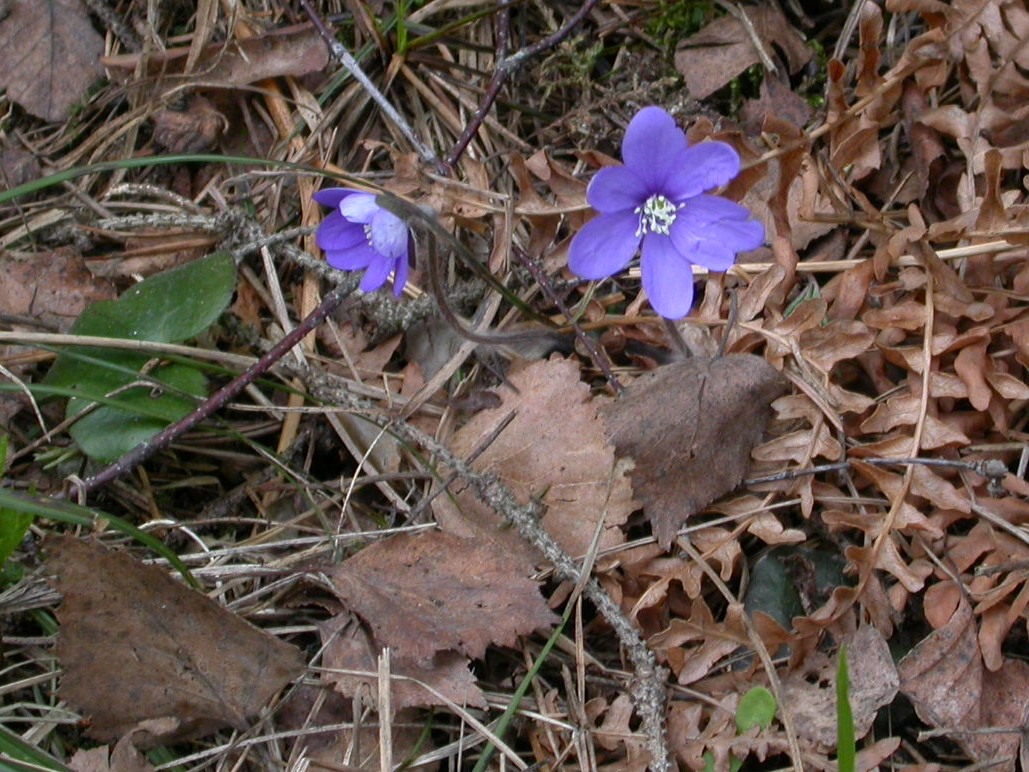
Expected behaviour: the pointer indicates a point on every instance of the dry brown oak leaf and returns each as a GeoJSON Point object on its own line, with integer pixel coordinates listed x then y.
{"type": "Point", "coordinates": [690, 427]}
{"type": "Point", "coordinates": [50, 56]}
{"type": "Point", "coordinates": [137, 647]}
{"type": "Point", "coordinates": [430, 592]}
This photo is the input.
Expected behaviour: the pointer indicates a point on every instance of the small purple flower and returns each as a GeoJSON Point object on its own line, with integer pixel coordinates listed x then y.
{"type": "Point", "coordinates": [657, 199]}
{"type": "Point", "coordinates": [359, 233]}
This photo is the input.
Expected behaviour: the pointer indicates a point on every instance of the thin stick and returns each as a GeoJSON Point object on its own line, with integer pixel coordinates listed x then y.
{"type": "Point", "coordinates": [216, 401]}
{"type": "Point", "coordinates": [507, 65]}
{"type": "Point", "coordinates": [344, 57]}
{"type": "Point", "coordinates": [597, 354]}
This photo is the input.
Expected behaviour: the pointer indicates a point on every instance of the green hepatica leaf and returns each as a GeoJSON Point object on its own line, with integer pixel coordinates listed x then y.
{"type": "Point", "coordinates": [13, 524]}
{"type": "Point", "coordinates": [756, 708]}
{"type": "Point", "coordinates": [167, 308]}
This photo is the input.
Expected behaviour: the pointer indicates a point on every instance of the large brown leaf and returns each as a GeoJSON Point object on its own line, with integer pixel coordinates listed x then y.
{"type": "Point", "coordinates": [690, 427]}
{"type": "Point", "coordinates": [50, 55]}
{"type": "Point", "coordinates": [554, 452]}
{"type": "Point", "coordinates": [431, 592]}
{"type": "Point", "coordinates": [137, 646]}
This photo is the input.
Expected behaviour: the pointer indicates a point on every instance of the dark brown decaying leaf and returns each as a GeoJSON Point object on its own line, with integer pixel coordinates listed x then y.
{"type": "Point", "coordinates": [168, 658]}
{"type": "Point", "coordinates": [430, 592]}
{"type": "Point", "coordinates": [50, 55]}
{"type": "Point", "coordinates": [945, 680]}
{"type": "Point", "coordinates": [553, 451]}
{"type": "Point", "coordinates": [53, 287]}
{"type": "Point", "coordinates": [689, 427]}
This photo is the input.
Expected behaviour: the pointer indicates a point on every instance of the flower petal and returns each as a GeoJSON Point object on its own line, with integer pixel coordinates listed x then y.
{"type": "Point", "coordinates": [359, 207]}
{"type": "Point", "coordinates": [332, 196]}
{"type": "Point", "coordinates": [651, 139]}
{"type": "Point", "coordinates": [615, 188]}
{"type": "Point", "coordinates": [400, 271]}
{"type": "Point", "coordinates": [604, 245]}
{"type": "Point", "coordinates": [353, 259]}
{"type": "Point", "coordinates": [667, 277]}
{"type": "Point", "coordinates": [388, 234]}
{"type": "Point", "coordinates": [376, 275]}
{"type": "Point", "coordinates": [710, 231]}
{"type": "Point", "coordinates": [700, 168]}
{"type": "Point", "coordinates": [337, 232]}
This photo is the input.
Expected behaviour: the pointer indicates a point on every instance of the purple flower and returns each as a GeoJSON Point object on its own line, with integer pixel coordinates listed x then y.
{"type": "Point", "coordinates": [359, 233]}
{"type": "Point", "coordinates": [657, 199]}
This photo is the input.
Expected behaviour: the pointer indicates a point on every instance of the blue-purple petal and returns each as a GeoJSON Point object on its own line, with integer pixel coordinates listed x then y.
{"type": "Point", "coordinates": [332, 196]}
{"type": "Point", "coordinates": [651, 139]}
{"type": "Point", "coordinates": [359, 207]}
{"type": "Point", "coordinates": [710, 231]}
{"type": "Point", "coordinates": [352, 259]}
{"type": "Point", "coordinates": [667, 277]}
{"type": "Point", "coordinates": [388, 234]}
{"type": "Point", "coordinates": [604, 246]}
{"type": "Point", "coordinates": [376, 275]}
{"type": "Point", "coordinates": [337, 232]}
{"type": "Point", "coordinates": [700, 168]}
{"type": "Point", "coordinates": [400, 275]}
{"type": "Point", "coordinates": [615, 188]}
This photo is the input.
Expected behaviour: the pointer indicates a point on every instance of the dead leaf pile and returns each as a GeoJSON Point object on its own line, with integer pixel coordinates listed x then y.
{"type": "Point", "coordinates": [849, 470]}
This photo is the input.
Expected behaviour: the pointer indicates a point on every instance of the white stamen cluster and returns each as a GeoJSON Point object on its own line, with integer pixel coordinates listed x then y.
{"type": "Point", "coordinates": [656, 215]}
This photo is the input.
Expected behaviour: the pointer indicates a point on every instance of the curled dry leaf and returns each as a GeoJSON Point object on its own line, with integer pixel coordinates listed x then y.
{"type": "Point", "coordinates": [296, 50]}
{"type": "Point", "coordinates": [172, 663]}
{"type": "Point", "coordinates": [123, 758]}
{"type": "Point", "coordinates": [425, 593]}
{"type": "Point", "coordinates": [724, 48]}
{"type": "Point", "coordinates": [689, 428]}
{"type": "Point", "coordinates": [553, 451]}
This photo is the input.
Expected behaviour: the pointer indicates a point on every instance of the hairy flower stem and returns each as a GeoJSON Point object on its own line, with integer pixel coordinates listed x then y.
{"type": "Point", "coordinates": [344, 57]}
{"type": "Point", "coordinates": [216, 401]}
{"type": "Point", "coordinates": [508, 65]}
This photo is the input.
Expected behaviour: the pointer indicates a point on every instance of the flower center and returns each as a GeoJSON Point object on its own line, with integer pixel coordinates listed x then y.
{"type": "Point", "coordinates": [656, 215]}
{"type": "Point", "coordinates": [368, 233]}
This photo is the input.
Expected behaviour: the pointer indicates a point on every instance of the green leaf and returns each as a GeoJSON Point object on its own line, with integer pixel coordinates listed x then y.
{"type": "Point", "coordinates": [846, 746]}
{"type": "Point", "coordinates": [16, 754]}
{"type": "Point", "coordinates": [167, 308]}
{"type": "Point", "coordinates": [773, 587]}
{"type": "Point", "coordinates": [109, 432]}
{"type": "Point", "coordinates": [13, 524]}
{"type": "Point", "coordinates": [88, 517]}
{"type": "Point", "coordinates": [756, 708]}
